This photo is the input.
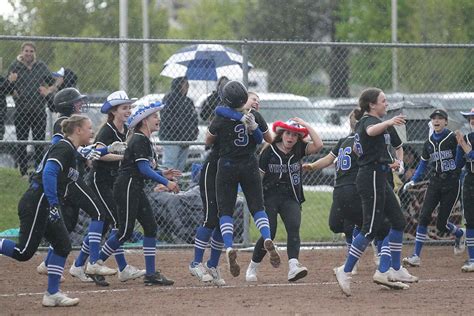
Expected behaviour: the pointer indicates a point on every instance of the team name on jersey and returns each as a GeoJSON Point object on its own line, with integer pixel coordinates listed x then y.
{"type": "Point", "coordinates": [443, 154]}
{"type": "Point", "coordinates": [387, 138]}
{"type": "Point", "coordinates": [73, 174]}
{"type": "Point", "coordinates": [278, 168]}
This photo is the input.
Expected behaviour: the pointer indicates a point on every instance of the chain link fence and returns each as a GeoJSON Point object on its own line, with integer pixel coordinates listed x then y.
{"type": "Point", "coordinates": [318, 82]}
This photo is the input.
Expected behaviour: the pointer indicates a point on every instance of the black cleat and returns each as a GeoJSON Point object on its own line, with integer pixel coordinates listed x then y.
{"type": "Point", "coordinates": [157, 279]}
{"type": "Point", "coordinates": [99, 280]}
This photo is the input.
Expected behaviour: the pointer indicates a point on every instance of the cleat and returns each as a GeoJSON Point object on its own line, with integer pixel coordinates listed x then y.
{"type": "Point", "coordinates": [78, 272]}
{"type": "Point", "coordinates": [251, 273]}
{"type": "Point", "coordinates": [130, 273]}
{"type": "Point", "coordinates": [468, 267]}
{"type": "Point", "coordinates": [343, 279]}
{"type": "Point", "coordinates": [384, 280]}
{"type": "Point", "coordinates": [99, 268]}
{"type": "Point", "coordinates": [216, 275]}
{"type": "Point", "coordinates": [273, 252]}
{"type": "Point", "coordinates": [200, 272]}
{"type": "Point", "coordinates": [157, 279]}
{"type": "Point", "coordinates": [234, 267]}
{"type": "Point", "coordinates": [43, 270]}
{"type": "Point", "coordinates": [402, 275]}
{"type": "Point", "coordinates": [460, 243]}
{"type": "Point", "coordinates": [297, 271]}
{"type": "Point", "coordinates": [58, 299]}
{"type": "Point", "coordinates": [413, 261]}
{"type": "Point", "coordinates": [99, 280]}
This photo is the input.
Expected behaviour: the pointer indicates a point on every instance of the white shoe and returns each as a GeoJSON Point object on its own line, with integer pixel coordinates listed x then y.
{"type": "Point", "coordinates": [402, 275]}
{"type": "Point", "coordinates": [234, 268]}
{"type": "Point", "coordinates": [251, 274]}
{"type": "Point", "coordinates": [468, 267]}
{"type": "Point", "coordinates": [296, 270]}
{"type": "Point", "coordinates": [460, 243]}
{"type": "Point", "coordinates": [273, 252]}
{"type": "Point", "coordinates": [130, 273]}
{"type": "Point", "coordinates": [384, 280]}
{"type": "Point", "coordinates": [413, 261]}
{"type": "Point", "coordinates": [43, 270]}
{"type": "Point", "coordinates": [58, 299]}
{"type": "Point", "coordinates": [343, 279]}
{"type": "Point", "coordinates": [78, 272]}
{"type": "Point", "coordinates": [216, 275]}
{"type": "Point", "coordinates": [99, 268]}
{"type": "Point", "coordinates": [200, 272]}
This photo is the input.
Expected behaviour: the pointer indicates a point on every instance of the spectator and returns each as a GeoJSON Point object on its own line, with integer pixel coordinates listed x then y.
{"type": "Point", "coordinates": [34, 82]}
{"type": "Point", "coordinates": [179, 122]}
{"type": "Point", "coordinates": [6, 87]}
{"type": "Point", "coordinates": [212, 101]}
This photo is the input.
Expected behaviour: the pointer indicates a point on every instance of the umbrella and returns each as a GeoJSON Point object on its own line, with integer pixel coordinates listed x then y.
{"type": "Point", "coordinates": [204, 62]}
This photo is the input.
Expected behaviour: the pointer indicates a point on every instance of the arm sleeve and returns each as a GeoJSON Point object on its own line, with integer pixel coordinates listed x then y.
{"type": "Point", "coordinates": [258, 135]}
{"type": "Point", "coordinates": [146, 171]}
{"type": "Point", "coordinates": [50, 181]}
{"type": "Point", "coordinates": [261, 121]}
{"type": "Point", "coordinates": [460, 160]}
{"type": "Point", "coordinates": [56, 138]}
{"type": "Point", "coordinates": [264, 159]}
{"type": "Point", "coordinates": [420, 171]}
{"type": "Point", "coordinates": [394, 137]}
{"type": "Point", "coordinates": [228, 113]}
{"type": "Point", "coordinates": [335, 149]}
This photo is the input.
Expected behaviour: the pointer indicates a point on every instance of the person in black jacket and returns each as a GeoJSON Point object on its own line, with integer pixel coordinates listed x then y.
{"type": "Point", "coordinates": [7, 85]}
{"type": "Point", "coordinates": [179, 122]}
{"type": "Point", "coordinates": [213, 100]}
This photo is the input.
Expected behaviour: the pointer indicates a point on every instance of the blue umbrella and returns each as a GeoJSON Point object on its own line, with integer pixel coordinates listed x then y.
{"type": "Point", "coordinates": [204, 62]}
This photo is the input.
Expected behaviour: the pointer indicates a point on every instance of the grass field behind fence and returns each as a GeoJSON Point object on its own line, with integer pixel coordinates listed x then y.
{"type": "Point", "coordinates": [314, 223]}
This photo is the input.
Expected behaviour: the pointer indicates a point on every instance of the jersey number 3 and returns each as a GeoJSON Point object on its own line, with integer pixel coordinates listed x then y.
{"type": "Point", "coordinates": [242, 136]}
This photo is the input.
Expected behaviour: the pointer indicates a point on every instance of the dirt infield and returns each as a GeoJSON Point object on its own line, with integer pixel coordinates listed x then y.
{"type": "Point", "coordinates": [443, 289]}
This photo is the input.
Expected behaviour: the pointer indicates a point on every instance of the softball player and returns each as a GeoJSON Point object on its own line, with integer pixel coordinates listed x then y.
{"type": "Point", "coordinates": [371, 142]}
{"type": "Point", "coordinates": [40, 209]}
{"type": "Point", "coordinates": [444, 186]}
{"type": "Point", "coordinates": [466, 144]}
{"type": "Point", "coordinates": [280, 165]}
{"type": "Point", "coordinates": [238, 164]}
{"type": "Point", "coordinates": [138, 164]}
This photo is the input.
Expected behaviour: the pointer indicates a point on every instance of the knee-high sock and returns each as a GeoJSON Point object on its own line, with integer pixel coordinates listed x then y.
{"type": "Point", "coordinates": [95, 236]}
{"type": "Point", "coordinates": [470, 243]}
{"type": "Point", "coordinates": [6, 247]}
{"type": "Point", "coordinates": [110, 247]}
{"type": "Point", "coordinates": [348, 243]}
{"type": "Point", "coordinates": [203, 234]}
{"type": "Point", "coordinates": [149, 251]}
{"type": "Point", "coordinates": [421, 235]}
{"type": "Point", "coordinates": [84, 253]}
{"type": "Point", "coordinates": [379, 244]}
{"type": "Point", "coordinates": [227, 229]}
{"type": "Point", "coordinates": [385, 257]}
{"type": "Point", "coordinates": [395, 238]}
{"type": "Point", "coordinates": [216, 248]}
{"type": "Point", "coordinates": [453, 229]}
{"type": "Point", "coordinates": [55, 271]}
{"type": "Point", "coordinates": [357, 249]}
{"type": "Point", "coordinates": [48, 255]}
{"type": "Point", "coordinates": [261, 221]}
{"type": "Point", "coordinates": [119, 254]}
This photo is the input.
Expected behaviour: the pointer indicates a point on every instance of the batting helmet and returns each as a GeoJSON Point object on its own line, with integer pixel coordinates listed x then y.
{"type": "Point", "coordinates": [64, 100]}
{"type": "Point", "coordinates": [234, 94]}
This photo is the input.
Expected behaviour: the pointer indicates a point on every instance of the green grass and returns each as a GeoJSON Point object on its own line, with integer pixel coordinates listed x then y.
{"type": "Point", "coordinates": [12, 187]}
{"type": "Point", "coordinates": [314, 221]}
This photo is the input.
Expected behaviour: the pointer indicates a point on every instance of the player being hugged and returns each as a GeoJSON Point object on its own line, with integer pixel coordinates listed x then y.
{"type": "Point", "coordinates": [280, 165]}
{"type": "Point", "coordinates": [139, 163]}
{"type": "Point", "coordinates": [371, 142]}
{"type": "Point", "coordinates": [238, 164]}
{"type": "Point", "coordinates": [444, 185]}
{"type": "Point", "coordinates": [40, 212]}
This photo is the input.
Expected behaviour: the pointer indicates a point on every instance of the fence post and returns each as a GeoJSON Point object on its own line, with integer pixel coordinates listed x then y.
{"type": "Point", "coordinates": [123, 47]}
{"type": "Point", "coordinates": [245, 65]}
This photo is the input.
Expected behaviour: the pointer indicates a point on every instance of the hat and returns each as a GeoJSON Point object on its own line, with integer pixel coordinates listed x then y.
{"type": "Point", "coordinates": [468, 115]}
{"type": "Point", "coordinates": [114, 99]}
{"type": "Point", "coordinates": [291, 126]}
{"type": "Point", "coordinates": [143, 111]}
{"type": "Point", "coordinates": [439, 112]}
{"type": "Point", "coordinates": [59, 73]}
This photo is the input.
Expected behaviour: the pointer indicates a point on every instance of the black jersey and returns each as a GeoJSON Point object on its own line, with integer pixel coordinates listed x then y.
{"type": "Point", "coordinates": [57, 129]}
{"type": "Point", "coordinates": [232, 138]}
{"type": "Point", "coordinates": [441, 153]}
{"type": "Point", "coordinates": [469, 162]}
{"type": "Point", "coordinates": [139, 148]}
{"type": "Point", "coordinates": [282, 172]}
{"type": "Point", "coordinates": [64, 153]}
{"type": "Point", "coordinates": [106, 136]}
{"type": "Point", "coordinates": [374, 149]}
{"type": "Point", "coordinates": [346, 164]}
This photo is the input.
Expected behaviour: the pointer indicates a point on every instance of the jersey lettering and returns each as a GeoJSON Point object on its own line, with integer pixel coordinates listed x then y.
{"type": "Point", "coordinates": [344, 161]}
{"type": "Point", "coordinates": [448, 165]}
{"type": "Point", "coordinates": [357, 145]}
{"type": "Point", "coordinates": [242, 137]}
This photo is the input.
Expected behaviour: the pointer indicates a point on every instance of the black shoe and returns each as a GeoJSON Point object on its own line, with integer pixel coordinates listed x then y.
{"type": "Point", "coordinates": [157, 279]}
{"type": "Point", "coordinates": [99, 280]}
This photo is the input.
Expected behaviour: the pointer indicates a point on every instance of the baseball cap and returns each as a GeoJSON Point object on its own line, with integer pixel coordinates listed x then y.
{"type": "Point", "coordinates": [114, 99]}
{"type": "Point", "coordinates": [439, 112]}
